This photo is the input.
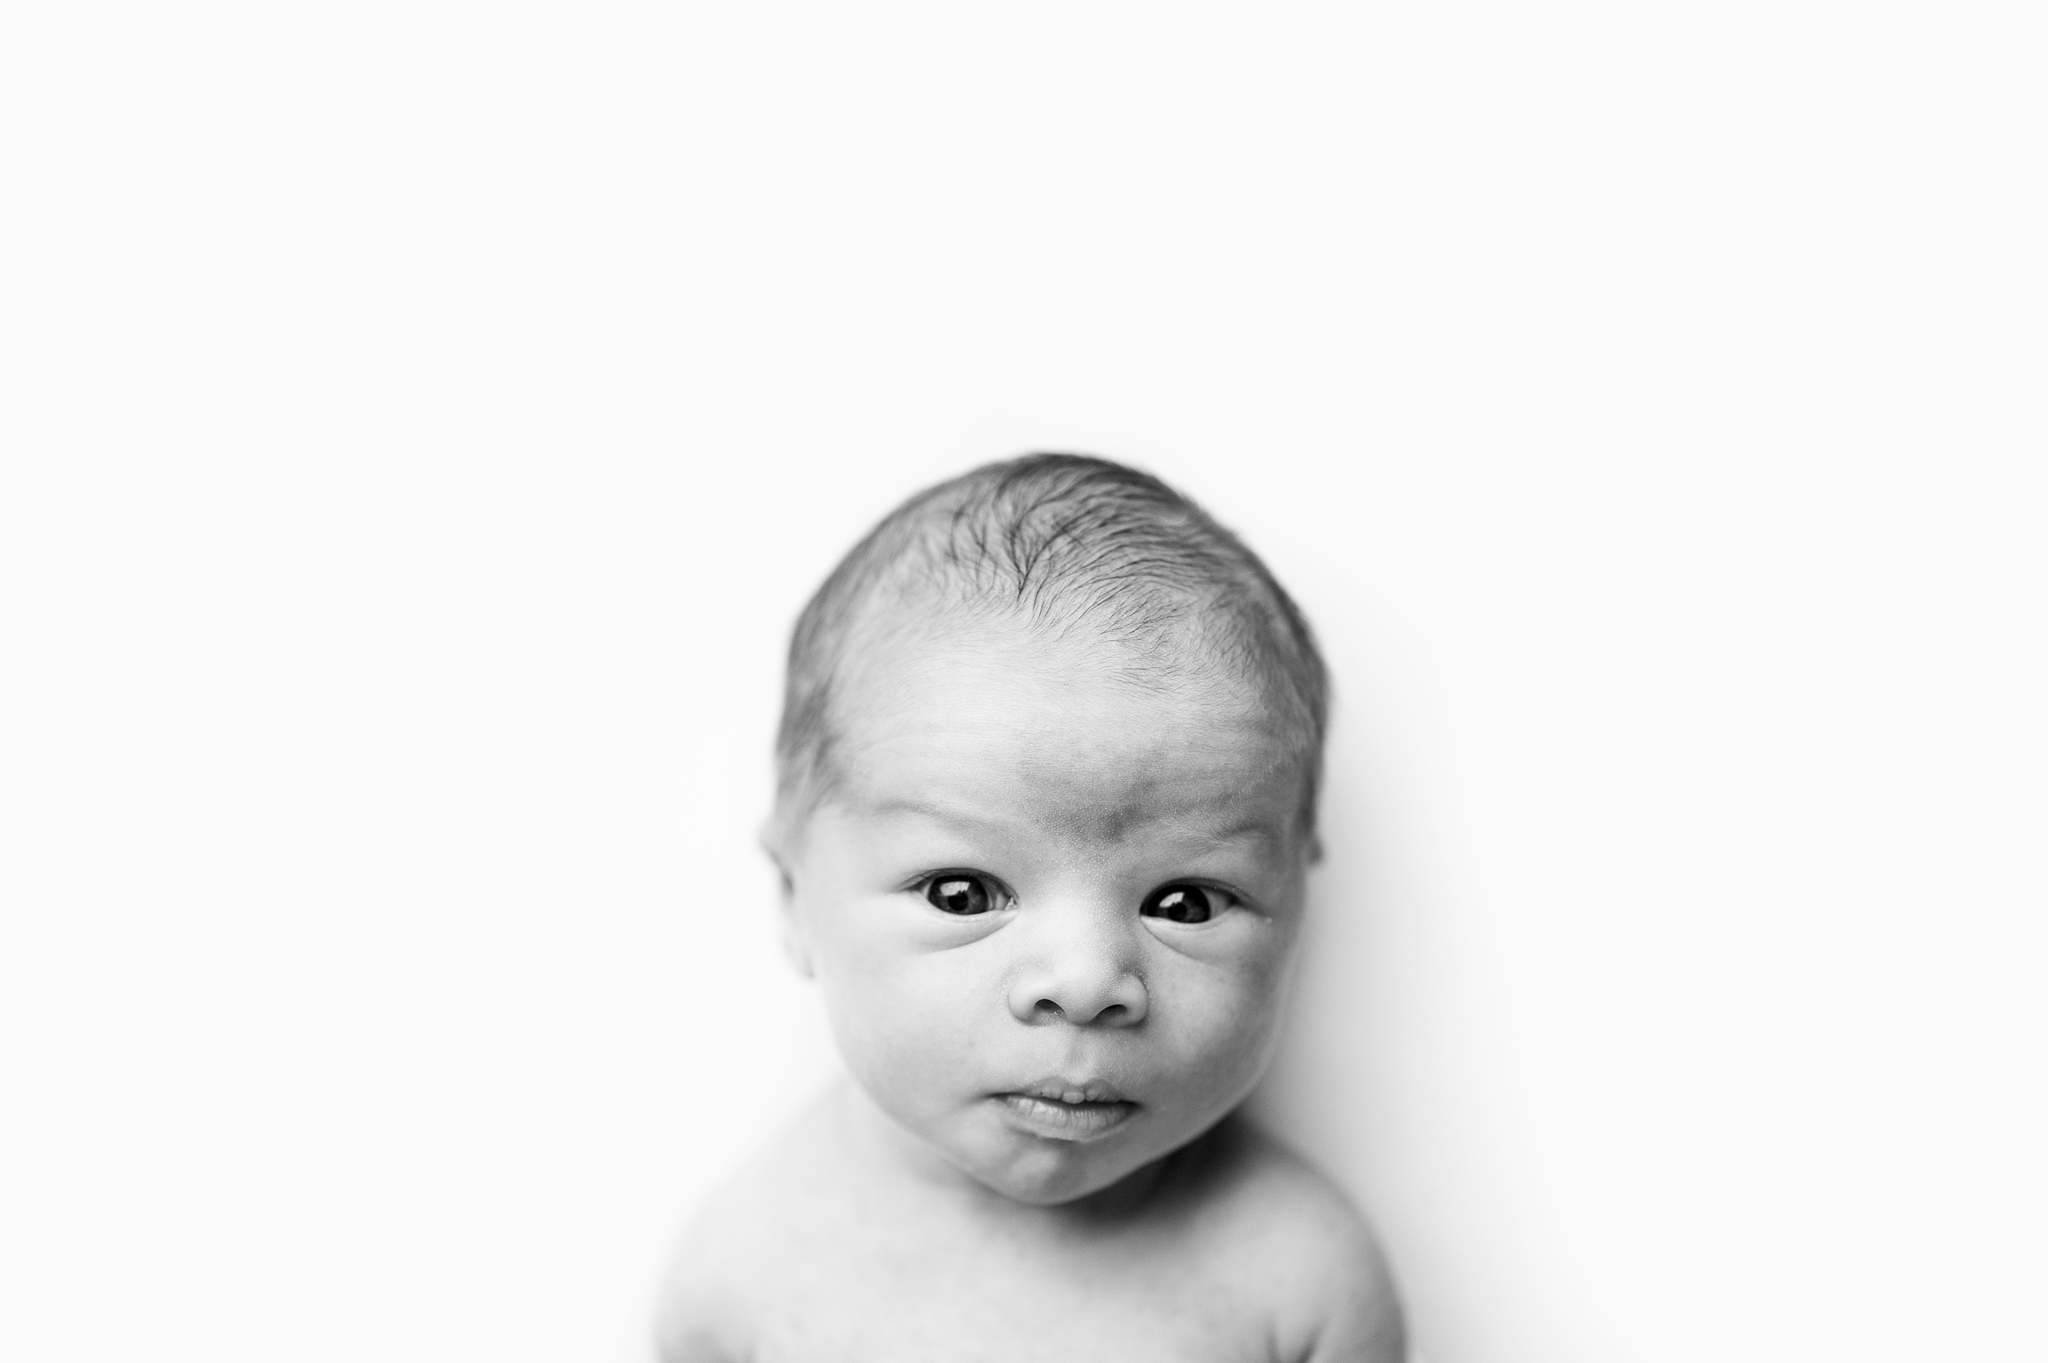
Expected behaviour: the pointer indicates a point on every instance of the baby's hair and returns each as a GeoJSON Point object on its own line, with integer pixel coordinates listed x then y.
{"type": "Point", "coordinates": [1075, 547]}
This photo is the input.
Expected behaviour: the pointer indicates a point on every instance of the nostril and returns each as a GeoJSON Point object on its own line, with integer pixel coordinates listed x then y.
{"type": "Point", "coordinates": [1047, 1010]}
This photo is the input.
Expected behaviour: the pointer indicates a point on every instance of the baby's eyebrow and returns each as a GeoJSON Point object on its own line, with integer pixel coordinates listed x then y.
{"type": "Point", "coordinates": [1255, 829]}
{"type": "Point", "coordinates": [1259, 830]}
{"type": "Point", "coordinates": [899, 804]}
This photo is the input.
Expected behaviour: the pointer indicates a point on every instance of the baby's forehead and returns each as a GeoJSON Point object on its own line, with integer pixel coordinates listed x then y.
{"type": "Point", "coordinates": [924, 667]}
{"type": "Point", "coordinates": [1023, 732]}
{"type": "Point", "coordinates": [1198, 655]}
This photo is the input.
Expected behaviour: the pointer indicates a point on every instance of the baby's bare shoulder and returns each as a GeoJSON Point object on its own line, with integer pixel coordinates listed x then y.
{"type": "Point", "coordinates": [702, 1317]}
{"type": "Point", "coordinates": [1268, 1212]}
{"type": "Point", "coordinates": [748, 1232]}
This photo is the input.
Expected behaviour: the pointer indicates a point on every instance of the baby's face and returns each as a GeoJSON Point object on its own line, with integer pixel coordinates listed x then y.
{"type": "Point", "coordinates": [1053, 915]}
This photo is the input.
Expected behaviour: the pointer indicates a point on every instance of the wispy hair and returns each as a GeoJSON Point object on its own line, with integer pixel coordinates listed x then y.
{"type": "Point", "coordinates": [1076, 548]}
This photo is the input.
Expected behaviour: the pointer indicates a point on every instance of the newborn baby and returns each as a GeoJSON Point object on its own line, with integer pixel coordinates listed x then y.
{"type": "Point", "coordinates": [1048, 770]}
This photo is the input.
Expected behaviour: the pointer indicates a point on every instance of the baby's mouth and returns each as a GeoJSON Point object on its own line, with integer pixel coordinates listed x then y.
{"type": "Point", "coordinates": [1060, 1111]}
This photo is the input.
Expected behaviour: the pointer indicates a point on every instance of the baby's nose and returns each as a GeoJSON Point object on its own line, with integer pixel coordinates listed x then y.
{"type": "Point", "coordinates": [1082, 968]}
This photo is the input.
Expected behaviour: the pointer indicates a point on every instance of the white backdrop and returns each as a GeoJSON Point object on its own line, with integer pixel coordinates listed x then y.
{"type": "Point", "coordinates": [422, 423]}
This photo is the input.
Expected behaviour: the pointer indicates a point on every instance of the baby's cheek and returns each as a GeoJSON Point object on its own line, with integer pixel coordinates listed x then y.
{"type": "Point", "coordinates": [912, 1025]}
{"type": "Point", "coordinates": [1242, 962]}
{"type": "Point", "coordinates": [1225, 1028]}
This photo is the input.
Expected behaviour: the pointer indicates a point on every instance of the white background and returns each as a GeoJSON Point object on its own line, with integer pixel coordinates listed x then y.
{"type": "Point", "coordinates": [422, 423]}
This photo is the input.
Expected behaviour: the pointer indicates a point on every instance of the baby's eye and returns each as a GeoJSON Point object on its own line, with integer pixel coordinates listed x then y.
{"type": "Point", "coordinates": [964, 892]}
{"type": "Point", "coordinates": [1185, 903]}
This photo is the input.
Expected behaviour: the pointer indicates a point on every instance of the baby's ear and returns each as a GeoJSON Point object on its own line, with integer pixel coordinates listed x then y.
{"type": "Point", "coordinates": [792, 931]}
{"type": "Point", "coordinates": [793, 941]}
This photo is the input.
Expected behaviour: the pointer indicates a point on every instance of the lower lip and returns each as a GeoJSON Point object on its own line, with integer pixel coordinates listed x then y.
{"type": "Point", "coordinates": [1059, 1121]}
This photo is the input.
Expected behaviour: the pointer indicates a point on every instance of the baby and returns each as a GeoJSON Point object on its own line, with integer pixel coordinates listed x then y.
{"type": "Point", "coordinates": [1048, 769]}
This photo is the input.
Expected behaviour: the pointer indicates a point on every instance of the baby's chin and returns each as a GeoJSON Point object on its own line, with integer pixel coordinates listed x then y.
{"type": "Point", "coordinates": [1053, 1173]}
{"type": "Point", "coordinates": [1038, 1182]}
{"type": "Point", "coordinates": [1043, 1160]}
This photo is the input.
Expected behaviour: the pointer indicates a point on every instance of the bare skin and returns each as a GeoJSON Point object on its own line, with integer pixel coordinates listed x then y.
{"type": "Point", "coordinates": [830, 1247]}
{"type": "Point", "coordinates": [1053, 916]}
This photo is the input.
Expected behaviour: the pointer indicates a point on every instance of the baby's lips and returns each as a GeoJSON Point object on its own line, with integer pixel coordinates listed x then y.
{"type": "Point", "coordinates": [1059, 1089]}
{"type": "Point", "coordinates": [1057, 1119]}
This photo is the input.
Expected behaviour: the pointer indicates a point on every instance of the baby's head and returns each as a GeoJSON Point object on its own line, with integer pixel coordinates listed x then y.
{"type": "Point", "coordinates": [1048, 768]}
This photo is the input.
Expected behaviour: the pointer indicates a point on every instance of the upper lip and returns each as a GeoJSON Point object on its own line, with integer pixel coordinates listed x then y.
{"type": "Point", "coordinates": [1061, 1090]}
